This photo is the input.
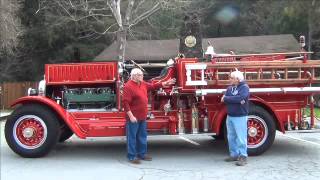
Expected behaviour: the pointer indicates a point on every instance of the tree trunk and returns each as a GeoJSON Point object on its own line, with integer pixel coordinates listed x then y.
{"type": "Point", "coordinates": [122, 42]}
{"type": "Point", "coordinates": [123, 31]}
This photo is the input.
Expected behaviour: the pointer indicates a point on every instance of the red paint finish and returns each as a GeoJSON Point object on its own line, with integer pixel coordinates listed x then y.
{"type": "Point", "coordinates": [165, 106]}
{"type": "Point", "coordinates": [181, 73]}
{"type": "Point", "coordinates": [63, 114]}
{"type": "Point", "coordinates": [81, 73]}
{"type": "Point", "coordinates": [100, 124]}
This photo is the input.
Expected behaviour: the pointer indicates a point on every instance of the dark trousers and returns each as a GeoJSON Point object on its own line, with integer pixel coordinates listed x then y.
{"type": "Point", "coordinates": [136, 139]}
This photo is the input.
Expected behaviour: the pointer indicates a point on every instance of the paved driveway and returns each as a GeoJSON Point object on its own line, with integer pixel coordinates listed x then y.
{"type": "Point", "coordinates": [293, 156]}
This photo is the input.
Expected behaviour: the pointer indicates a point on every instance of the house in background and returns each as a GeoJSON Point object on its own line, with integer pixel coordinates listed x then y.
{"type": "Point", "coordinates": [153, 54]}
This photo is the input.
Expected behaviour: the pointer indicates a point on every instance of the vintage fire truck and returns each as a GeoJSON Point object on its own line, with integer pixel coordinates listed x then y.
{"type": "Point", "coordinates": [85, 99]}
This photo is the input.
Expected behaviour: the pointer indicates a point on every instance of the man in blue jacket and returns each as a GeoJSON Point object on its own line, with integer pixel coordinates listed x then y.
{"type": "Point", "coordinates": [237, 101]}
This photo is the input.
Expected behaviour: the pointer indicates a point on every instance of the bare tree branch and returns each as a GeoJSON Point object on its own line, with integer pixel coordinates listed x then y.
{"type": "Point", "coordinates": [115, 8]}
{"type": "Point", "coordinates": [109, 15]}
{"type": "Point", "coordinates": [146, 14]}
{"type": "Point", "coordinates": [139, 6]}
{"type": "Point", "coordinates": [128, 12]}
{"type": "Point", "coordinates": [10, 27]}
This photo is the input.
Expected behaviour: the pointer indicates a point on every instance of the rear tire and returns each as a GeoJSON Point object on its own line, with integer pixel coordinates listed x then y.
{"type": "Point", "coordinates": [261, 130]}
{"type": "Point", "coordinates": [32, 130]}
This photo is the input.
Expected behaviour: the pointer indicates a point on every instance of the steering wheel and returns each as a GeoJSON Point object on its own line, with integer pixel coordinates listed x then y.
{"type": "Point", "coordinates": [138, 65]}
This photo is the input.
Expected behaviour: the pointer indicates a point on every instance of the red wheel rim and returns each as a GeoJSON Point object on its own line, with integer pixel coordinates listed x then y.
{"type": "Point", "coordinates": [30, 131]}
{"type": "Point", "coordinates": [257, 131]}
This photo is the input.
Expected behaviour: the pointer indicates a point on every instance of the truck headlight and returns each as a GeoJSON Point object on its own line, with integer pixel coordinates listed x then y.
{"type": "Point", "coordinates": [32, 92]}
{"type": "Point", "coordinates": [42, 88]}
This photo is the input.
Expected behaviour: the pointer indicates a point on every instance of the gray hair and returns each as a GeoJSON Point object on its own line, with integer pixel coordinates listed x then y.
{"type": "Point", "coordinates": [237, 75]}
{"type": "Point", "coordinates": [135, 71]}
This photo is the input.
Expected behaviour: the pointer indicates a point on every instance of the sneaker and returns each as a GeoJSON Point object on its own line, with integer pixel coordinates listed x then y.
{"type": "Point", "coordinates": [146, 158]}
{"type": "Point", "coordinates": [242, 161]}
{"type": "Point", "coordinates": [231, 159]}
{"type": "Point", "coordinates": [135, 161]}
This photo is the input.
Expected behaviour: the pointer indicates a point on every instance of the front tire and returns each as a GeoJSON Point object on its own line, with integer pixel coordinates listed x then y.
{"type": "Point", "coordinates": [32, 130]}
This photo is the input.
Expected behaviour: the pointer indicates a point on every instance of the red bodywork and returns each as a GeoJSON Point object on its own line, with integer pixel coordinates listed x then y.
{"type": "Point", "coordinates": [283, 106]}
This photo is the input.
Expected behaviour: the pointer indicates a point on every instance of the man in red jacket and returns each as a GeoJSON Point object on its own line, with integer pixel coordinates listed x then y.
{"type": "Point", "coordinates": [135, 103]}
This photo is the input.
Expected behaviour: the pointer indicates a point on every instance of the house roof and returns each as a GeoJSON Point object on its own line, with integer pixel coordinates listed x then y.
{"type": "Point", "coordinates": [159, 50]}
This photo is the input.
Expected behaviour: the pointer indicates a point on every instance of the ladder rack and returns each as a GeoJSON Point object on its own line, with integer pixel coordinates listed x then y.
{"type": "Point", "coordinates": [255, 72]}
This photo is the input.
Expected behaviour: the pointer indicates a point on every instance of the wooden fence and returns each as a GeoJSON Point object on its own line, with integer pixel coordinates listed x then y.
{"type": "Point", "coordinates": [10, 91]}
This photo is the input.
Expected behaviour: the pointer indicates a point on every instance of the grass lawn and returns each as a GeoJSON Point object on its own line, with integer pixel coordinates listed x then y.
{"type": "Point", "coordinates": [316, 112]}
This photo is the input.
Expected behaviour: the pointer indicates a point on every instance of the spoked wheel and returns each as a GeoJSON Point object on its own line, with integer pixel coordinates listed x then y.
{"type": "Point", "coordinates": [261, 130]}
{"type": "Point", "coordinates": [32, 130]}
{"type": "Point", "coordinates": [257, 131]}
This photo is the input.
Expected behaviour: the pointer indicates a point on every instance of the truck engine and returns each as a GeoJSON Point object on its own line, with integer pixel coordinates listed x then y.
{"type": "Point", "coordinates": [88, 98]}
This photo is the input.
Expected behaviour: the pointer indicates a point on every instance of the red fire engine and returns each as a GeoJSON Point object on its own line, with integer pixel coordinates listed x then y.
{"type": "Point", "coordinates": [85, 99]}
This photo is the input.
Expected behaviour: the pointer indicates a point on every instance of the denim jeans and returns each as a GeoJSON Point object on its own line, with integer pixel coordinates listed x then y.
{"type": "Point", "coordinates": [237, 135]}
{"type": "Point", "coordinates": [136, 139]}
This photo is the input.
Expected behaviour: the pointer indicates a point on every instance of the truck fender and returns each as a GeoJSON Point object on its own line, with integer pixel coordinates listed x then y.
{"type": "Point", "coordinates": [222, 114]}
{"type": "Point", "coordinates": [62, 113]}
{"type": "Point", "coordinates": [270, 109]}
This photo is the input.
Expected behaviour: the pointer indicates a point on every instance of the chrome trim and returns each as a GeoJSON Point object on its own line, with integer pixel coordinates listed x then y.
{"type": "Point", "coordinates": [42, 88]}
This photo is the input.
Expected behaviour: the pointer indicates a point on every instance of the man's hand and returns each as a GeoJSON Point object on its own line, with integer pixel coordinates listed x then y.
{"type": "Point", "coordinates": [132, 118]}
{"type": "Point", "coordinates": [222, 99]}
{"type": "Point", "coordinates": [169, 82]}
{"type": "Point", "coordinates": [242, 102]}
